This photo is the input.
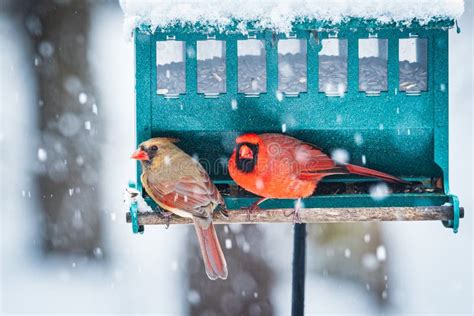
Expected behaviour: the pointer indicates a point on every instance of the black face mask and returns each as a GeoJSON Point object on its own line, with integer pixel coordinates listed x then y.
{"type": "Point", "coordinates": [243, 164]}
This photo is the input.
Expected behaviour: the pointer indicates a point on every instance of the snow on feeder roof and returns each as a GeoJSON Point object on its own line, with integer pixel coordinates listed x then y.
{"type": "Point", "coordinates": [282, 15]}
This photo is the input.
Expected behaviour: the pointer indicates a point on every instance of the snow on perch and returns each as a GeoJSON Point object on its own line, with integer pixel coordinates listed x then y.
{"type": "Point", "coordinates": [279, 15]}
{"type": "Point", "coordinates": [131, 195]}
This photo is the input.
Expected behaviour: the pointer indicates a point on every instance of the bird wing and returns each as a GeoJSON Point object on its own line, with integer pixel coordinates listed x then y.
{"type": "Point", "coordinates": [313, 163]}
{"type": "Point", "coordinates": [190, 194]}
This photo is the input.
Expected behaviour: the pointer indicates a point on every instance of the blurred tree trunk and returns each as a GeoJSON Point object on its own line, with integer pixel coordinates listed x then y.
{"type": "Point", "coordinates": [248, 287]}
{"type": "Point", "coordinates": [68, 152]}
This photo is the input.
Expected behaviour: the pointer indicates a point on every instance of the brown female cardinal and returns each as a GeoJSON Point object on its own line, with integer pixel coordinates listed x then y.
{"type": "Point", "coordinates": [283, 167]}
{"type": "Point", "coordinates": [179, 184]}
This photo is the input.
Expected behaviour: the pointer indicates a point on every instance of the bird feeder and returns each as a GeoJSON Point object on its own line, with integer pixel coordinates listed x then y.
{"type": "Point", "coordinates": [370, 92]}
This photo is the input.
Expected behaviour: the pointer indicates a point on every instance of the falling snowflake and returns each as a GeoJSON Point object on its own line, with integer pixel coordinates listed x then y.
{"type": "Point", "coordinates": [98, 252]}
{"type": "Point", "coordinates": [46, 49]}
{"type": "Point", "coordinates": [358, 139]}
{"type": "Point", "coordinates": [299, 204]}
{"type": "Point", "coordinates": [69, 124]}
{"type": "Point", "coordinates": [347, 253]}
{"type": "Point", "coordinates": [340, 156]}
{"type": "Point", "coordinates": [234, 104]}
{"type": "Point", "coordinates": [236, 228]}
{"type": "Point", "coordinates": [381, 253]}
{"type": "Point", "coordinates": [367, 238]}
{"type": "Point", "coordinates": [82, 98]}
{"type": "Point", "coordinates": [254, 84]}
{"type": "Point", "coordinates": [190, 52]}
{"type": "Point", "coordinates": [42, 154]}
{"type": "Point", "coordinates": [379, 191]}
{"type": "Point", "coordinates": [369, 261]}
{"type": "Point", "coordinates": [279, 96]}
{"type": "Point", "coordinates": [193, 297]}
{"type": "Point", "coordinates": [286, 70]}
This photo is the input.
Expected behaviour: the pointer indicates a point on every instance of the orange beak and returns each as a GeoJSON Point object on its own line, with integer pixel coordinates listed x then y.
{"type": "Point", "coordinates": [140, 155]}
{"type": "Point", "coordinates": [245, 152]}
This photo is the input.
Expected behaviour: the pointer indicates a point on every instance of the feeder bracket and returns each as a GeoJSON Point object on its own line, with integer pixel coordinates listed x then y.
{"type": "Point", "coordinates": [454, 222]}
{"type": "Point", "coordinates": [136, 228]}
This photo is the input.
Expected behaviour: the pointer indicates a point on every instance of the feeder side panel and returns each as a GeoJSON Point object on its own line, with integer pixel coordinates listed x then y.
{"type": "Point", "coordinates": [440, 48]}
{"type": "Point", "coordinates": [143, 90]}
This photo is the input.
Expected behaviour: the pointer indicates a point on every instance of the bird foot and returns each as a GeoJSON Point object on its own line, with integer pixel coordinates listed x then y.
{"type": "Point", "coordinates": [251, 209]}
{"type": "Point", "coordinates": [165, 214]}
{"type": "Point", "coordinates": [254, 207]}
{"type": "Point", "coordinates": [296, 212]}
{"type": "Point", "coordinates": [296, 216]}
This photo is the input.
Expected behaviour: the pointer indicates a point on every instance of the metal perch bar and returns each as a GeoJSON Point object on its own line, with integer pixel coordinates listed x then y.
{"type": "Point", "coordinates": [315, 215]}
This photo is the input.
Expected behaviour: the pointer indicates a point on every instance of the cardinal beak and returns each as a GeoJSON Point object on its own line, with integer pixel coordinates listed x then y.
{"type": "Point", "coordinates": [140, 154]}
{"type": "Point", "coordinates": [245, 152]}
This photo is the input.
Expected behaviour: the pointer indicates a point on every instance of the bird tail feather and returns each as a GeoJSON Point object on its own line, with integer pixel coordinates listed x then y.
{"type": "Point", "coordinates": [362, 171]}
{"type": "Point", "coordinates": [214, 261]}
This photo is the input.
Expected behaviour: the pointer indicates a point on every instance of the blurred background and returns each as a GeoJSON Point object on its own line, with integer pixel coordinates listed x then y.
{"type": "Point", "coordinates": [67, 131]}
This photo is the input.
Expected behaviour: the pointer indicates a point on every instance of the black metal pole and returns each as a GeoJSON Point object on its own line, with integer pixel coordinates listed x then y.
{"type": "Point", "coordinates": [299, 269]}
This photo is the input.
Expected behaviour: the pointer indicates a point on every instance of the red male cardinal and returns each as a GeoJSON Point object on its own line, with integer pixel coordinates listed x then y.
{"type": "Point", "coordinates": [283, 167]}
{"type": "Point", "coordinates": [179, 184]}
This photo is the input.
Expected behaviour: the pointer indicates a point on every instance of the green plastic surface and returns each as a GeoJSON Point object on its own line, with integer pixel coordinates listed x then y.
{"type": "Point", "coordinates": [404, 135]}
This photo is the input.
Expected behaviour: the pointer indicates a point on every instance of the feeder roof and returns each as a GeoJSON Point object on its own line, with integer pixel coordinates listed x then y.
{"type": "Point", "coordinates": [282, 16]}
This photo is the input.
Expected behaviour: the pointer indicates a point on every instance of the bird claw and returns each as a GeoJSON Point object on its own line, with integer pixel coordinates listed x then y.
{"type": "Point", "coordinates": [252, 208]}
{"type": "Point", "coordinates": [296, 216]}
{"type": "Point", "coordinates": [295, 212]}
{"type": "Point", "coordinates": [166, 215]}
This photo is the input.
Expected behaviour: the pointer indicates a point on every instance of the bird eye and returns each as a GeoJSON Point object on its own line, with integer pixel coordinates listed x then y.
{"type": "Point", "coordinates": [154, 148]}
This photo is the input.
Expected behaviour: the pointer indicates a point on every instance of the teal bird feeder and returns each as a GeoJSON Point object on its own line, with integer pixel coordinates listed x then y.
{"type": "Point", "coordinates": [372, 92]}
